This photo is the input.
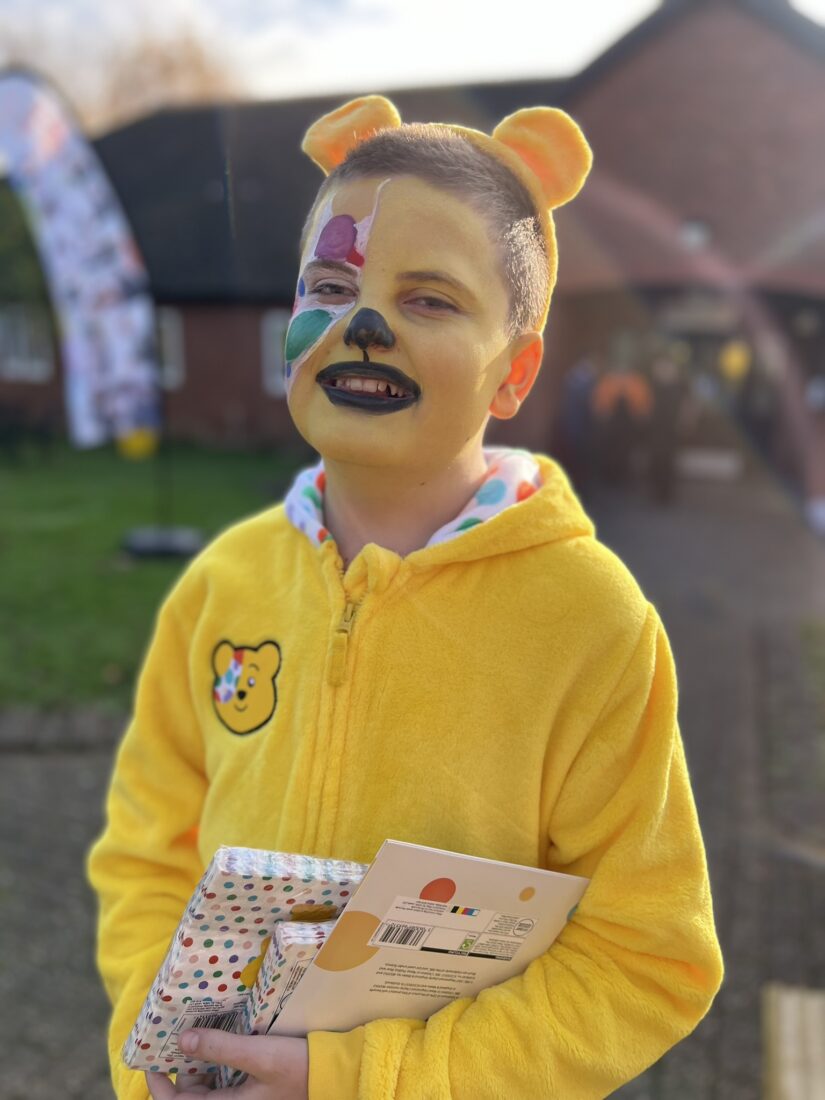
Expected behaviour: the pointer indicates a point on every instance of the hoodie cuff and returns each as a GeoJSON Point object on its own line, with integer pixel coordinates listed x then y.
{"type": "Point", "coordinates": [335, 1063]}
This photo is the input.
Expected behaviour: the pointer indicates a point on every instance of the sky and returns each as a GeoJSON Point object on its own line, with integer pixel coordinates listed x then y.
{"type": "Point", "coordinates": [299, 47]}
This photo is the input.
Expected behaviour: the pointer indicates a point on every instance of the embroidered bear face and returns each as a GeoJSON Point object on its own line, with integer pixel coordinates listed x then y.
{"type": "Point", "coordinates": [244, 691]}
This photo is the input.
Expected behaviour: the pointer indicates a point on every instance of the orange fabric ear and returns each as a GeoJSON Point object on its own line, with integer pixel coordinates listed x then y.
{"type": "Point", "coordinates": [552, 147]}
{"type": "Point", "coordinates": [328, 140]}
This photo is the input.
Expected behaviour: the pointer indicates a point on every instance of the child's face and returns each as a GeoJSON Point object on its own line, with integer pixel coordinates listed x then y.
{"type": "Point", "coordinates": [422, 262]}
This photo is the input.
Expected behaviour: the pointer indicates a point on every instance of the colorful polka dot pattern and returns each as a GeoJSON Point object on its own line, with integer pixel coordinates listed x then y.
{"type": "Point", "coordinates": [512, 477]}
{"type": "Point", "coordinates": [289, 954]}
{"type": "Point", "coordinates": [284, 964]}
{"type": "Point", "coordinates": [305, 504]}
{"type": "Point", "coordinates": [240, 901]}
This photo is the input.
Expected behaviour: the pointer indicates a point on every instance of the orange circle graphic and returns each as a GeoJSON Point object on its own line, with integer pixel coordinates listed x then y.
{"type": "Point", "coordinates": [348, 946]}
{"type": "Point", "coordinates": [440, 889]}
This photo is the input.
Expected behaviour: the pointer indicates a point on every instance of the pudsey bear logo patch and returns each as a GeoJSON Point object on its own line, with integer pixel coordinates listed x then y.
{"type": "Point", "coordinates": [244, 692]}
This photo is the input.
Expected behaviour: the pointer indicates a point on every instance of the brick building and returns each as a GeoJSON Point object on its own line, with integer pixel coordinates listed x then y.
{"type": "Point", "coordinates": [701, 222]}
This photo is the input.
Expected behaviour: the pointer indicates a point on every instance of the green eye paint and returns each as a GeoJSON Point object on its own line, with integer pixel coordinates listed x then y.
{"type": "Point", "coordinates": [304, 329]}
{"type": "Point", "coordinates": [338, 238]}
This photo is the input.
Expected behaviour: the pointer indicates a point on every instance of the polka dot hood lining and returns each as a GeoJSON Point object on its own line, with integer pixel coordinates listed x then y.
{"type": "Point", "coordinates": [512, 476]}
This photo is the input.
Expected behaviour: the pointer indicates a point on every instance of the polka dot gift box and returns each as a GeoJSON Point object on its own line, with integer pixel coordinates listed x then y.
{"type": "Point", "coordinates": [217, 950]}
{"type": "Point", "coordinates": [293, 947]}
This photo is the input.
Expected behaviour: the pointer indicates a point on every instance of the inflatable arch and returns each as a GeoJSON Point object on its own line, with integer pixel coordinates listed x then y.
{"type": "Point", "coordinates": [96, 277]}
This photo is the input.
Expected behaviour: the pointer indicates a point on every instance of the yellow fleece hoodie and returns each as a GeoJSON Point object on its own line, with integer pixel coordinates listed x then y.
{"type": "Point", "coordinates": [507, 693]}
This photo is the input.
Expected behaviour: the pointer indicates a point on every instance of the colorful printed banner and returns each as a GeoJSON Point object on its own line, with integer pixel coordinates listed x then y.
{"type": "Point", "coordinates": [96, 277]}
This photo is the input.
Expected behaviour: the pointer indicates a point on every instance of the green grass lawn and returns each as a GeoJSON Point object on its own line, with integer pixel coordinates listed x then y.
{"type": "Point", "coordinates": [77, 612]}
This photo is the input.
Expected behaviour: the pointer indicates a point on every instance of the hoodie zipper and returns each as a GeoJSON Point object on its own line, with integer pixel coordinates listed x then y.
{"type": "Point", "coordinates": [340, 645]}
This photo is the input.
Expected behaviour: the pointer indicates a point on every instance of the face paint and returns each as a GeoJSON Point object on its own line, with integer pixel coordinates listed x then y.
{"type": "Point", "coordinates": [338, 239]}
{"type": "Point", "coordinates": [431, 313]}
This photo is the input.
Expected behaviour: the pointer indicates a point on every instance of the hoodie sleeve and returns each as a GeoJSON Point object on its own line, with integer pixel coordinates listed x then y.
{"type": "Point", "coordinates": [632, 973]}
{"type": "Point", "coordinates": [145, 862]}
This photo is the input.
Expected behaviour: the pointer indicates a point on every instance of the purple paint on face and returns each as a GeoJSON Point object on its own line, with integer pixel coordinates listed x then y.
{"type": "Point", "coordinates": [337, 238]}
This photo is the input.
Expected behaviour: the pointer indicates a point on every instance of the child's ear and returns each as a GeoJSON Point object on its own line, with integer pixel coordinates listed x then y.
{"type": "Point", "coordinates": [526, 353]}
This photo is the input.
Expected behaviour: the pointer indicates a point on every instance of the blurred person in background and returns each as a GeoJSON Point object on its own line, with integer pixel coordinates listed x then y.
{"type": "Point", "coordinates": [622, 404]}
{"type": "Point", "coordinates": [665, 426]}
{"type": "Point", "coordinates": [757, 408]}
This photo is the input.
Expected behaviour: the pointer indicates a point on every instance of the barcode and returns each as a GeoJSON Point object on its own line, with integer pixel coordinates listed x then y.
{"type": "Point", "coordinates": [402, 935]}
{"type": "Point", "coordinates": [224, 1022]}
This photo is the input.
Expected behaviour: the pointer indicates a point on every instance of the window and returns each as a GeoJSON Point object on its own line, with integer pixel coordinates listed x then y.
{"type": "Point", "coordinates": [171, 348]}
{"type": "Point", "coordinates": [26, 345]}
{"type": "Point", "coordinates": [273, 336]}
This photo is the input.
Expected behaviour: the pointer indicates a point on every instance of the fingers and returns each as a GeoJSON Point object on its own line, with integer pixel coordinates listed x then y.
{"type": "Point", "coordinates": [160, 1087]}
{"type": "Point", "coordinates": [200, 1082]}
{"type": "Point", "coordinates": [256, 1054]}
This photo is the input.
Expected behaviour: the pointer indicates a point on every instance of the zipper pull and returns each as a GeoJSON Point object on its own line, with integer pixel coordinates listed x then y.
{"type": "Point", "coordinates": [340, 644]}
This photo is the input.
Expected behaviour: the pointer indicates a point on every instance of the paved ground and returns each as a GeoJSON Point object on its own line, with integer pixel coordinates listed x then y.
{"type": "Point", "coordinates": [741, 587]}
{"type": "Point", "coordinates": [740, 584]}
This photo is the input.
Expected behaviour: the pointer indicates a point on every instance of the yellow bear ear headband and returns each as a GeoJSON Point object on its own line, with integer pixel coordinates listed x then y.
{"type": "Point", "coordinates": [542, 146]}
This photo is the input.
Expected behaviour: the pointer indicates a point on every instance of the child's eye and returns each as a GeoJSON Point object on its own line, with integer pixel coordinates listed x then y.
{"type": "Point", "coordinates": [329, 289]}
{"type": "Point", "coordinates": [431, 303]}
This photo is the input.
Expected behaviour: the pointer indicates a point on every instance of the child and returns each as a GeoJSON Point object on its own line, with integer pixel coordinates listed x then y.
{"type": "Point", "coordinates": [426, 642]}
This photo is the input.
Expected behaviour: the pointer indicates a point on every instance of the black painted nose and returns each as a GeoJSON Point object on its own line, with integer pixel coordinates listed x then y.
{"type": "Point", "coordinates": [242, 695]}
{"type": "Point", "coordinates": [368, 329]}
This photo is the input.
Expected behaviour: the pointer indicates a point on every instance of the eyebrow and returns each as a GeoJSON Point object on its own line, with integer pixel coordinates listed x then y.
{"type": "Point", "coordinates": [328, 265]}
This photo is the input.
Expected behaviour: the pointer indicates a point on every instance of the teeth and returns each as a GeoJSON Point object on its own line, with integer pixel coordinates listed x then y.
{"type": "Point", "coordinates": [369, 385]}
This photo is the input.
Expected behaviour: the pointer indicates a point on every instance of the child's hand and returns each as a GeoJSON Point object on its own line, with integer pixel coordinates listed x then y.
{"type": "Point", "coordinates": [278, 1067]}
{"type": "Point", "coordinates": [198, 1083]}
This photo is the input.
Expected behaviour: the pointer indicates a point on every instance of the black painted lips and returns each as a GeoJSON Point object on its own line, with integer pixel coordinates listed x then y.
{"type": "Point", "coordinates": [368, 402]}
